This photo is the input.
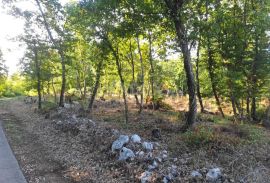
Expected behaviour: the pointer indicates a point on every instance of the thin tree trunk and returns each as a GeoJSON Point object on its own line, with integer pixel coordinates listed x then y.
{"type": "Point", "coordinates": [134, 86]}
{"type": "Point", "coordinates": [197, 77]}
{"type": "Point", "coordinates": [119, 70]}
{"type": "Point", "coordinates": [37, 64]}
{"type": "Point", "coordinates": [84, 83]}
{"type": "Point", "coordinates": [247, 103]}
{"type": "Point", "coordinates": [210, 68]}
{"type": "Point", "coordinates": [142, 73]}
{"type": "Point", "coordinates": [254, 81]}
{"type": "Point", "coordinates": [174, 7]}
{"type": "Point", "coordinates": [63, 86]}
{"type": "Point", "coordinates": [151, 69]}
{"type": "Point", "coordinates": [54, 91]}
{"type": "Point", "coordinates": [60, 52]}
{"type": "Point", "coordinates": [79, 82]}
{"type": "Point", "coordinates": [92, 98]}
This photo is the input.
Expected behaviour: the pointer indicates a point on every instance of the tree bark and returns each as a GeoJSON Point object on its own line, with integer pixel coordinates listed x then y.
{"type": "Point", "coordinates": [92, 98]}
{"type": "Point", "coordinates": [210, 61]}
{"type": "Point", "coordinates": [142, 73]}
{"type": "Point", "coordinates": [37, 64]}
{"type": "Point", "coordinates": [54, 91]}
{"type": "Point", "coordinates": [197, 77]}
{"type": "Point", "coordinates": [174, 7]}
{"type": "Point", "coordinates": [254, 81]}
{"type": "Point", "coordinates": [151, 69]}
{"type": "Point", "coordinates": [134, 85]}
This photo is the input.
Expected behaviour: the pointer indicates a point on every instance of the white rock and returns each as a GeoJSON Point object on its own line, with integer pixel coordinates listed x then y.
{"type": "Point", "coordinates": [173, 170]}
{"type": "Point", "coordinates": [123, 138]}
{"type": "Point", "coordinates": [146, 177]}
{"type": "Point", "coordinates": [115, 132]}
{"type": "Point", "coordinates": [196, 174]}
{"type": "Point", "coordinates": [164, 156]}
{"type": "Point", "coordinates": [153, 166]}
{"type": "Point", "coordinates": [159, 159]}
{"type": "Point", "coordinates": [165, 180]}
{"type": "Point", "coordinates": [136, 138]}
{"type": "Point", "coordinates": [68, 106]}
{"type": "Point", "coordinates": [213, 175]}
{"type": "Point", "coordinates": [140, 153]}
{"type": "Point", "coordinates": [117, 145]}
{"type": "Point", "coordinates": [148, 146]}
{"type": "Point", "coordinates": [125, 154]}
{"type": "Point", "coordinates": [120, 142]}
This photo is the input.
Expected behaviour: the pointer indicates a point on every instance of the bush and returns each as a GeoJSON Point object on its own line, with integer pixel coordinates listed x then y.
{"type": "Point", "coordinates": [199, 136]}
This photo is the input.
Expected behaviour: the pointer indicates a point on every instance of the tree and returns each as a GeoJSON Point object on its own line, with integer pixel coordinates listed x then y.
{"type": "Point", "coordinates": [175, 9]}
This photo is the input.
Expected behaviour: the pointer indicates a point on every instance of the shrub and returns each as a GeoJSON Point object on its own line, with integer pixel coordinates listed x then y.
{"type": "Point", "coordinates": [201, 135]}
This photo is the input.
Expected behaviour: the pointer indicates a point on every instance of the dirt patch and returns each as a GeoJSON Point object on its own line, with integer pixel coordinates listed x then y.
{"type": "Point", "coordinates": [34, 159]}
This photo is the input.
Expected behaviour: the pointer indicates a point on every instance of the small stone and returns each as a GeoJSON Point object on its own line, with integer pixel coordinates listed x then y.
{"type": "Point", "coordinates": [146, 177]}
{"type": "Point", "coordinates": [153, 166]}
{"type": "Point", "coordinates": [149, 156]}
{"type": "Point", "coordinates": [173, 170]}
{"type": "Point", "coordinates": [140, 153]}
{"type": "Point", "coordinates": [126, 154]}
{"type": "Point", "coordinates": [214, 175]}
{"type": "Point", "coordinates": [136, 138]}
{"type": "Point", "coordinates": [165, 180]}
{"type": "Point", "coordinates": [196, 174]}
{"type": "Point", "coordinates": [159, 159]}
{"type": "Point", "coordinates": [164, 156]}
{"type": "Point", "coordinates": [115, 132]}
{"type": "Point", "coordinates": [74, 117]}
{"type": "Point", "coordinates": [148, 146]}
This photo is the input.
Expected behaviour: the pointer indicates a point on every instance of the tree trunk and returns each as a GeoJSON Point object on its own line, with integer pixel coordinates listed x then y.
{"type": "Point", "coordinates": [54, 91]}
{"type": "Point", "coordinates": [210, 61]}
{"type": "Point", "coordinates": [174, 7]}
{"type": "Point", "coordinates": [63, 86]}
{"type": "Point", "coordinates": [254, 81]}
{"type": "Point", "coordinates": [119, 70]}
{"type": "Point", "coordinates": [142, 73]}
{"type": "Point", "coordinates": [197, 77]}
{"type": "Point", "coordinates": [79, 81]}
{"type": "Point", "coordinates": [134, 85]}
{"type": "Point", "coordinates": [247, 103]}
{"type": "Point", "coordinates": [37, 64]}
{"type": "Point", "coordinates": [92, 98]}
{"type": "Point", "coordinates": [151, 69]}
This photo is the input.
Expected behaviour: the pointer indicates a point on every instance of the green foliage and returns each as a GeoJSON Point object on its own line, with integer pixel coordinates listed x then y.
{"type": "Point", "coordinates": [201, 136]}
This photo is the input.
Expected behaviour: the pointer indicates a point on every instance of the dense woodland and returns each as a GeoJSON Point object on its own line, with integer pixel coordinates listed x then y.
{"type": "Point", "coordinates": [148, 50]}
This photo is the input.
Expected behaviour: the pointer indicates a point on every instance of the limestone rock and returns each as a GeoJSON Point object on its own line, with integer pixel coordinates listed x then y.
{"type": "Point", "coordinates": [126, 154]}
{"type": "Point", "coordinates": [213, 175]}
{"type": "Point", "coordinates": [148, 146]}
{"type": "Point", "coordinates": [136, 138]}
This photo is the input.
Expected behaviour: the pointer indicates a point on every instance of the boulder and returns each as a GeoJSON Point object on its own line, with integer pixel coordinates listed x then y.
{"type": "Point", "coordinates": [214, 175]}
{"type": "Point", "coordinates": [126, 154]}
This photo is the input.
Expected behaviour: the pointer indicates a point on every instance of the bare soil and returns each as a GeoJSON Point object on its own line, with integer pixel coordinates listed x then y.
{"type": "Point", "coordinates": [47, 154]}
